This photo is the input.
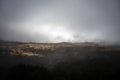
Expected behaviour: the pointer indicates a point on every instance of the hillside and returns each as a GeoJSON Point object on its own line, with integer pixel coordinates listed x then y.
{"type": "Point", "coordinates": [64, 61]}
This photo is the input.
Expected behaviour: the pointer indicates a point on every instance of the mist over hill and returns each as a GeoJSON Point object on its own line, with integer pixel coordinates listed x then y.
{"type": "Point", "coordinates": [59, 39]}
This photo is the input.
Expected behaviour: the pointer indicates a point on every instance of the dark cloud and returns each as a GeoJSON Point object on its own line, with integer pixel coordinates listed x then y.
{"type": "Point", "coordinates": [60, 20]}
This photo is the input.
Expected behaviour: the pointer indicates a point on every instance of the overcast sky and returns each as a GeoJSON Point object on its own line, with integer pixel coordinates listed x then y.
{"type": "Point", "coordinates": [60, 20]}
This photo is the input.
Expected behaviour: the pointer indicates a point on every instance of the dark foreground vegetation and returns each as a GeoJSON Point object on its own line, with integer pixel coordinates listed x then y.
{"type": "Point", "coordinates": [75, 71]}
{"type": "Point", "coordinates": [63, 61]}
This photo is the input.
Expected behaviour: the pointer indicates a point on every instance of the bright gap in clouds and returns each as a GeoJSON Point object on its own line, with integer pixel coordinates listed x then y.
{"type": "Point", "coordinates": [55, 33]}
{"type": "Point", "coordinates": [61, 33]}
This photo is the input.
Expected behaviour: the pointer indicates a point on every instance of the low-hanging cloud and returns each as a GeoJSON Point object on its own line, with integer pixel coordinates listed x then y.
{"type": "Point", "coordinates": [60, 20]}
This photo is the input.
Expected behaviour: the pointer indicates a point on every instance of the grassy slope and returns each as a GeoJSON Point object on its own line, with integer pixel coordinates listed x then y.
{"type": "Point", "coordinates": [65, 61]}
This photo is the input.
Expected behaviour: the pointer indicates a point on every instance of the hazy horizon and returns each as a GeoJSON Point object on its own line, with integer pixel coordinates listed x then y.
{"type": "Point", "coordinates": [60, 20]}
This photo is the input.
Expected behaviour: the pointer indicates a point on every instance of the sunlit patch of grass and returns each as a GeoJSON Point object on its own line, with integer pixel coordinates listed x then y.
{"type": "Point", "coordinates": [31, 54]}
